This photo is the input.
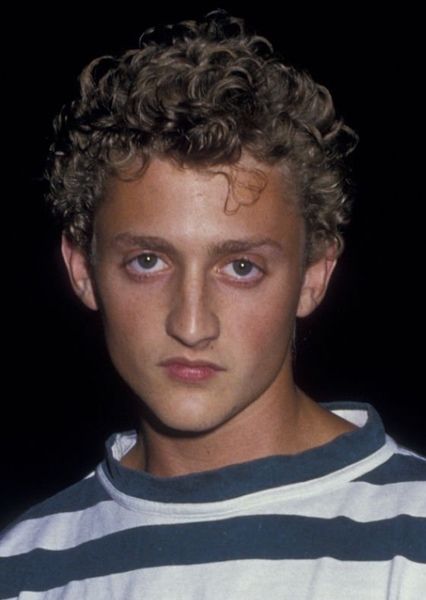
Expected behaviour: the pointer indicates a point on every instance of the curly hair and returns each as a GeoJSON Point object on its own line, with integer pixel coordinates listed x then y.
{"type": "Point", "coordinates": [200, 93]}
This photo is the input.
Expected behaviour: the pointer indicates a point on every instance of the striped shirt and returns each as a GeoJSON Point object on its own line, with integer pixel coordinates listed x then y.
{"type": "Point", "coordinates": [344, 520]}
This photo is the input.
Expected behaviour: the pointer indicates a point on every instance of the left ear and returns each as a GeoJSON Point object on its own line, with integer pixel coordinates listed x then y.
{"type": "Point", "coordinates": [315, 282]}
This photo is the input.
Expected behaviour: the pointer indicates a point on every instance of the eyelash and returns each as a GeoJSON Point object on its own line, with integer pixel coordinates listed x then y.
{"type": "Point", "coordinates": [147, 273]}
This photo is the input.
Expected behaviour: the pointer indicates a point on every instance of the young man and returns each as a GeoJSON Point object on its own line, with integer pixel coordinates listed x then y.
{"type": "Point", "coordinates": [201, 187]}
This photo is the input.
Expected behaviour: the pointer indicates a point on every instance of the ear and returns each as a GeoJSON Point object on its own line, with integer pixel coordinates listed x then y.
{"type": "Point", "coordinates": [79, 273]}
{"type": "Point", "coordinates": [315, 282]}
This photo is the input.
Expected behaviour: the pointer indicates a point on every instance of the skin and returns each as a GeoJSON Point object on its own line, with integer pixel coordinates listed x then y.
{"type": "Point", "coordinates": [187, 301]}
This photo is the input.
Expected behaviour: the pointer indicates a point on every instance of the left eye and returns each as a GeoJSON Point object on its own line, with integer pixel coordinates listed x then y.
{"type": "Point", "coordinates": [148, 262]}
{"type": "Point", "coordinates": [242, 268]}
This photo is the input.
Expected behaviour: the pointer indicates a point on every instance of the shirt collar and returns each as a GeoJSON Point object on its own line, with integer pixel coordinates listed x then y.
{"type": "Point", "coordinates": [255, 475]}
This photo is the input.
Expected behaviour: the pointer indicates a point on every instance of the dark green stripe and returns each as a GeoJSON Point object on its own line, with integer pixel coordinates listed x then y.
{"type": "Point", "coordinates": [399, 468]}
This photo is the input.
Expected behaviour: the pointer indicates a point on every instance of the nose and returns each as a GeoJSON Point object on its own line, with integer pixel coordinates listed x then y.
{"type": "Point", "coordinates": [192, 320]}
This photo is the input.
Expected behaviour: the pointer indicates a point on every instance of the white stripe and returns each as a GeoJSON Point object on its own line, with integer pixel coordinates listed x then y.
{"type": "Point", "coordinates": [357, 416]}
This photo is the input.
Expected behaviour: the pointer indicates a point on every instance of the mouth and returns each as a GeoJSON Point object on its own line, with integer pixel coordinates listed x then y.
{"type": "Point", "coordinates": [184, 369]}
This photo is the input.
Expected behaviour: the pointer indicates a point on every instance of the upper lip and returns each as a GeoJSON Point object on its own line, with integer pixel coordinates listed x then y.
{"type": "Point", "coordinates": [181, 360]}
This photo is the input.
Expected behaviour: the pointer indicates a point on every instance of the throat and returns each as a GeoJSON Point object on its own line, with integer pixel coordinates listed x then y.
{"type": "Point", "coordinates": [307, 427]}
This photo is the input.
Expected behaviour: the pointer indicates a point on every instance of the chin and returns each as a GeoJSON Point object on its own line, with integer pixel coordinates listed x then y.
{"type": "Point", "coordinates": [185, 423]}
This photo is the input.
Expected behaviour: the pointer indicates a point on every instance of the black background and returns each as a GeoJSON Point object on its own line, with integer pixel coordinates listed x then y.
{"type": "Point", "coordinates": [61, 395]}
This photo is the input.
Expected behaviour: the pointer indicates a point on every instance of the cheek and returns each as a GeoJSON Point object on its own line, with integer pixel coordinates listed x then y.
{"type": "Point", "coordinates": [130, 323]}
{"type": "Point", "coordinates": [263, 328]}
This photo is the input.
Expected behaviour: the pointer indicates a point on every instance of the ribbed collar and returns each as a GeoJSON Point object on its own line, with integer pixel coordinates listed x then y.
{"type": "Point", "coordinates": [252, 476]}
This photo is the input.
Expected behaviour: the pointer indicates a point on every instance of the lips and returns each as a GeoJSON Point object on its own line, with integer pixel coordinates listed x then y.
{"type": "Point", "coordinates": [193, 364]}
{"type": "Point", "coordinates": [187, 370]}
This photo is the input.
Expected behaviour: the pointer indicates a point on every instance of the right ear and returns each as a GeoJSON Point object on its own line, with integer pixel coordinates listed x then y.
{"type": "Point", "coordinates": [79, 273]}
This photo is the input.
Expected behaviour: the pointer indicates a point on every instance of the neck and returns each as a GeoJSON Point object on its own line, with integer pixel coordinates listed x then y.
{"type": "Point", "coordinates": [293, 425]}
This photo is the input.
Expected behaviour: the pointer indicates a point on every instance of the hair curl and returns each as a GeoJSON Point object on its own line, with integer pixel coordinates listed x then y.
{"type": "Point", "coordinates": [200, 93]}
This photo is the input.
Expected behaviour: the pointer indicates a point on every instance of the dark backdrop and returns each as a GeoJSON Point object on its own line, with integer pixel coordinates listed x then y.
{"type": "Point", "coordinates": [61, 395]}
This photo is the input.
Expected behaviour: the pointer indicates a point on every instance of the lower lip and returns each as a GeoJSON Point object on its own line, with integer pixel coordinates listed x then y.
{"type": "Point", "coordinates": [185, 373]}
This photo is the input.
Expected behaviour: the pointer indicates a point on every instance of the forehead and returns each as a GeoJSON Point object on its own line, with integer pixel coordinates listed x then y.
{"type": "Point", "coordinates": [189, 203]}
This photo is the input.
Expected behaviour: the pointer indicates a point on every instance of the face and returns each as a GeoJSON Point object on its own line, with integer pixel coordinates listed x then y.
{"type": "Point", "coordinates": [177, 279]}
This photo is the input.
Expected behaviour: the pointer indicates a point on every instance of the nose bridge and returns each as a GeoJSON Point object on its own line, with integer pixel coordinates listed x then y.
{"type": "Point", "coordinates": [192, 318]}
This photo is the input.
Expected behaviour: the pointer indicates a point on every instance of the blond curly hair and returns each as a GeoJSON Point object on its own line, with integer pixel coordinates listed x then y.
{"type": "Point", "coordinates": [200, 93]}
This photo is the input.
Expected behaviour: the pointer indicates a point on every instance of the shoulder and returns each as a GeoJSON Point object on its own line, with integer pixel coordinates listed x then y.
{"type": "Point", "coordinates": [53, 521]}
{"type": "Point", "coordinates": [396, 488]}
{"type": "Point", "coordinates": [403, 466]}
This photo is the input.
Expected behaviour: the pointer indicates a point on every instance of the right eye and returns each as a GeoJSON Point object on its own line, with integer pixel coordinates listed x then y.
{"type": "Point", "coordinates": [146, 263]}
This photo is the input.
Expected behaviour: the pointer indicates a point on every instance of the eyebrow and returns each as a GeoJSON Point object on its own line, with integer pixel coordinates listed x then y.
{"type": "Point", "coordinates": [160, 244]}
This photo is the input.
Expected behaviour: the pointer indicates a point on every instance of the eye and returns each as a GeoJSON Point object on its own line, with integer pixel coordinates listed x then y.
{"type": "Point", "coordinates": [243, 269]}
{"type": "Point", "coordinates": [145, 263]}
